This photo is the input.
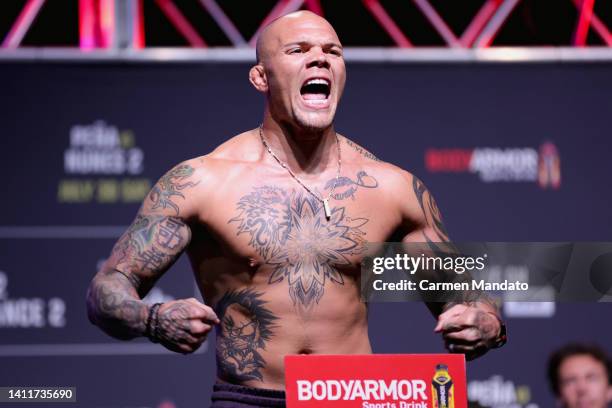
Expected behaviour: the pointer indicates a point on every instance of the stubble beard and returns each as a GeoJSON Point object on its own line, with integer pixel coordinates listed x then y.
{"type": "Point", "coordinates": [313, 122]}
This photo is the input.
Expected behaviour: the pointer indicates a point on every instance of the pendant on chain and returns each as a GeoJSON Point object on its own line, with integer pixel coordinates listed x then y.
{"type": "Point", "coordinates": [327, 209]}
{"type": "Point", "coordinates": [325, 201]}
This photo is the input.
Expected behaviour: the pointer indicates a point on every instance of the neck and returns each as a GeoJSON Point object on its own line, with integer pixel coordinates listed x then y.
{"type": "Point", "coordinates": [305, 151]}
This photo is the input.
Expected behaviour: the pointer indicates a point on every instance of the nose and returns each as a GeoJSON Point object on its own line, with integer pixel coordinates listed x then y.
{"type": "Point", "coordinates": [317, 58]}
{"type": "Point", "coordinates": [581, 387]}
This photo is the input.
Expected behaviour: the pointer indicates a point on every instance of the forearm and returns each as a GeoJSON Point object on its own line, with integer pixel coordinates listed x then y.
{"type": "Point", "coordinates": [114, 305]}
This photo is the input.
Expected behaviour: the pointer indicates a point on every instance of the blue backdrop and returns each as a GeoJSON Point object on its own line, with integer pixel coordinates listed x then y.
{"type": "Point", "coordinates": [82, 143]}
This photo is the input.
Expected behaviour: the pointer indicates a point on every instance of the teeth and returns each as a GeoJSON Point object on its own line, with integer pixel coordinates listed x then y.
{"type": "Point", "coordinates": [317, 81]}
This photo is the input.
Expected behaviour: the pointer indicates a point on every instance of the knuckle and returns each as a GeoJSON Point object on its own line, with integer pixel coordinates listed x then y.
{"type": "Point", "coordinates": [204, 329]}
{"type": "Point", "coordinates": [197, 329]}
{"type": "Point", "coordinates": [476, 335]}
{"type": "Point", "coordinates": [180, 302]}
{"type": "Point", "coordinates": [194, 310]}
{"type": "Point", "coordinates": [194, 343]}
{"type": "Point", "coordinates": [188, 351]}
{"type": "Point", "coordinates": [470, 318]}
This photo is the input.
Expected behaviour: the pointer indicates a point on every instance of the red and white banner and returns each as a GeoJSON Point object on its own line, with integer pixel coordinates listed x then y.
{"type": "Point", "coordinates": [376, 381]}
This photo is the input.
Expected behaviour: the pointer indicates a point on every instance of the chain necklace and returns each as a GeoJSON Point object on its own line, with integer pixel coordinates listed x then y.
{"type": "Point", "coordinates": [325, 201]}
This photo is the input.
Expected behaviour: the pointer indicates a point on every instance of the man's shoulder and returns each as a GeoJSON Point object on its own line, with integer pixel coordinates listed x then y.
{"type": "Point", "coordinates": [193, 179]}
{"type": "Point", "coordinates": [244, 147]}
{"type": "Point", "coordinates": [393, 175]}
{"type": "Point", "coordinates": [357, 152]}
{"type": "Point", "coordinates": [240, 149]}
{"type": "Point", "coordinates": [234, 153]}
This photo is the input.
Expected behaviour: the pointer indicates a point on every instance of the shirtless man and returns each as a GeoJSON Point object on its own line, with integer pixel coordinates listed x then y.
{"type": "Point", "coordinates": [274, 224]}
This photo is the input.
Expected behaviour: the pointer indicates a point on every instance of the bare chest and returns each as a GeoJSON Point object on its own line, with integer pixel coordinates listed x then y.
{"type": "Point", "coordinates": [283, 223]}
{"type": "Point", "coordinates": [276, 228]}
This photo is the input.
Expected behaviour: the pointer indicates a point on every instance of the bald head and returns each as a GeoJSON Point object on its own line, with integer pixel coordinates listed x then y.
{"type": "Point", "coordinates": [272, 34]}
{"type": "Point", "coordinates": [292, 50]}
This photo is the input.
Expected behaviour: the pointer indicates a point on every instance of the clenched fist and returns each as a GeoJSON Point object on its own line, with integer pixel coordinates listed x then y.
{"type": "Point", "coordinates": [182, 325]}
{"type": "Point", "coordinates": [469, 329]}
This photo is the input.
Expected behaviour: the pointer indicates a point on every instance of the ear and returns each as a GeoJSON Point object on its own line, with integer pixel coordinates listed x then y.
{"type": "Point", "coordinates": [258, 78]}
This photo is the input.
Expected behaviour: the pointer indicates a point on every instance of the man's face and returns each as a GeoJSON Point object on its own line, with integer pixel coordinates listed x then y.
{"type": "Point", "coordinates": [305, 71]}
{"type": "Point", "coordinates": [583, 383]}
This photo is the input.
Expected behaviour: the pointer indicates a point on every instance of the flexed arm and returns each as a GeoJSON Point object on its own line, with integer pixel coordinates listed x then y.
{"type": "Point", "coordinates": [472, 324]}
{"type": "Point", "coordinates": [149, 247]}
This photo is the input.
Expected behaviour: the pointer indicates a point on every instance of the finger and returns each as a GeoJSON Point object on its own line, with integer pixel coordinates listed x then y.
{"type": "Point", "coordinates": [471, 351]}
{"type": "Point", "coordinates": [203, 312]}
{"type": "Point", "coordinates": [197, 341]}
{"type": "Point", "coordinates": [194, 301]}
{"type": "Point", "coordinates": [448, 326]}
{"type": "Point", "coordinates": [469, 335]}
{"type": "Point", "coordinates": [443, 321]}
{"type": "Point", "coordinates": [173, 347]}
{"type": "Point", "coordinates": [455, 310]}
{"type": "Point", "coordinates": [190, 339]}
{"type": "Point", "coordinates": [460, 348]}
{"type": "Point", "coordinates": [194, 347]}
{"type": "Point", "coordinates": [467, 318]}
{"type": "Point", "coordinates": [451, 326]}
{"type": "Point", "coordinates": [192, 342]}
{"type": "Point", "coordinates": [198, 328]}
{"type": "Point", "coordinates": [479, 323]}
{"type": "Point", "coordinates": [438, 327]}
{"type": "Point", "coordinates": [186, 338]}
{"type": "Point", "coordinates": [450, 347]}
{"type": "Point", "coordinates": [201, 337]}
{"type": "Point", "coordinates": [183, 348]}
{"type": "Point", "coordinates": [211, 316]}
{"type": "Point", "coordinates": [455, 318]}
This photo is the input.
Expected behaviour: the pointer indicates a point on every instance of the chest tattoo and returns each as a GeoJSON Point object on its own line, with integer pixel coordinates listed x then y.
{"type": "Point", "coordinates": [288, 228]}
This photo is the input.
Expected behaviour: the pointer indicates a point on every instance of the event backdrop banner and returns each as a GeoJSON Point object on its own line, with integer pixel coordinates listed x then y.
{"type": "Point", "coordinates": [512, 152]}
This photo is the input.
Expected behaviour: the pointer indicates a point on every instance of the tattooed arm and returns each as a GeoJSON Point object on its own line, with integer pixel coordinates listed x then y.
{"type": "Point", "coordinates": [472, 325]}
{"type": "Point", "coordinates": [149, 247]}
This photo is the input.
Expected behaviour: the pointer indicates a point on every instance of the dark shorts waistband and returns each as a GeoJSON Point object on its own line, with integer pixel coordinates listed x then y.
{"type": "Point", "coordinates": [238, 396]}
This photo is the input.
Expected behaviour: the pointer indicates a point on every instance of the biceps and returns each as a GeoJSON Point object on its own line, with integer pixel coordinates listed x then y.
{"type": "Point", "coordinates": [432, 227]}
{"type": "Point", "coordinates": [425, 234]}
{"type": "Point", "coordinates": [149, 247]}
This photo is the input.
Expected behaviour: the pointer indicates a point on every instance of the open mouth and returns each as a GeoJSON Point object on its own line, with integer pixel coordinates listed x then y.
{"type": "Point", "coordinates": [315, 92]}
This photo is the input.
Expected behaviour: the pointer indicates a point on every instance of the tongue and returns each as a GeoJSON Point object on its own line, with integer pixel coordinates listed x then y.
{"type": "Point", "coordinates": [312, 96]}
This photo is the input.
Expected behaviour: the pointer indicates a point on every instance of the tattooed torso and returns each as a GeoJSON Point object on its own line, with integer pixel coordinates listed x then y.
{"type": "Point", "coordinates": [282, 278]}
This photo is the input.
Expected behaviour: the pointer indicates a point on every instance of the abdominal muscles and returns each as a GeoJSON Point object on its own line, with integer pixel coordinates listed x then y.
{"type": "Point", "coordinates": [260, 324]}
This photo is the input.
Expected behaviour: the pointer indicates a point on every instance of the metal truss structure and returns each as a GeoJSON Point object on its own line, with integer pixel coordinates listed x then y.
{"type": "Point", "coordinates": [113, 25]}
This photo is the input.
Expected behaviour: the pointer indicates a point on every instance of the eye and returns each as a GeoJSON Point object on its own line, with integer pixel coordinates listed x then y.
{"type": "Point", "coordinates": [336, 52]}
{"type": "Point", "coordinates": [295, 51]}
